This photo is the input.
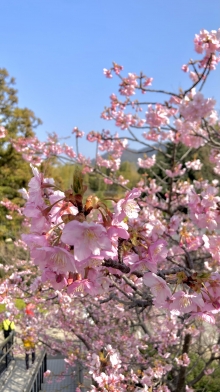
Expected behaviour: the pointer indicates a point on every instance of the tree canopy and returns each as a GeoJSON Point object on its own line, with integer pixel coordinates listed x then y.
{"type": "Point", "coordinates": [134, 278]}
{"type": "Point", "coordinates": [14, 170]}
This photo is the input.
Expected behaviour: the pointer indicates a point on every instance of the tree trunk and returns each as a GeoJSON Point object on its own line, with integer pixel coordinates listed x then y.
{"type": "Point", "coordinates": [181, 382]}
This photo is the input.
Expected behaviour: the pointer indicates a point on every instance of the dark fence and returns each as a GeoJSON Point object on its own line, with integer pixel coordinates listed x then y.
{"type": "Point", "coordinates": [80, 374]}
{"type": "Point", "coordinates": [37, 379]}
{"type": "Point", "coordinates": [6, 352]}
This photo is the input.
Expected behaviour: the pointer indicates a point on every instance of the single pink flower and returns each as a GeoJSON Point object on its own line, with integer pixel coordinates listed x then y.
{"type": "Point", "coordinates": [57, 259]}
{"type": "Point", "coordinates": [127, 206]}
{"type": "Point", "coordinates": [186, 302]}
{"type": "Point", "coordinates": [107, 73]}
{"type": "Point", "coordinates": [158, 251]}
{"type": "Point", "coordinates": [34, 240]}
{"type": "Point", "coordinates": [88, 239]}
{"type": "Point", "coordinates": [183, 360]}
{"type": "Point", "coordinates": [203, 316]}
{"type": "Point", "coordinates": [158, 288]}
{"type": "Point", "coordinates": [58, 281]}
{"type": "Point", "coordinates": [83, 286]}
{"type": "Point", "coordinates": [185, 68]}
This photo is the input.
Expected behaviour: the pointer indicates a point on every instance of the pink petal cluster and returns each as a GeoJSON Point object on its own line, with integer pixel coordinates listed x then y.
{"type": "Point", "coordinates": [88, 239]}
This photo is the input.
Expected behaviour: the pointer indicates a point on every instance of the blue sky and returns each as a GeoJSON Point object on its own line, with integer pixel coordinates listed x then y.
{"type": "Point", "coordinates": [57, 49]}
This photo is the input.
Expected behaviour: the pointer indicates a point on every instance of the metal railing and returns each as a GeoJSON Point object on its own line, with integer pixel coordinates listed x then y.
{"type": "Point", "coordinates": [37, 379]}
{"type": "Point", "coordinates": [6, 351]}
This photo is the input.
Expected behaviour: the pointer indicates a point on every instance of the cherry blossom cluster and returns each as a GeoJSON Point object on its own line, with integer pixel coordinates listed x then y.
{"type": "Point", "coordinates": [67, 260]}
{"type": "Point", "coordinates": [74, 248]}
{"type": "Point", "coordinates": [208, 42]}
{"type": "Point", "coordinates": [133, 278]}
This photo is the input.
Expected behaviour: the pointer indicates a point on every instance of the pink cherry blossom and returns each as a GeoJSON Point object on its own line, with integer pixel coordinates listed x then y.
{"type": "Point", "coordinates": [195, 165]}
{"type": "Point", "coordinates": [127, 206]}
{"type": "Point", "coordinates": [157, 116]}
{"type": "Point", "coordinates": [158, 250]}
{"type": "Point", "coordinates": [128, 85]}
{"type": "Point", "coordinates": [177, 171]}
{"type": "Point", "coordinates": [3, 132]}
{"type": "Point", "coordinates": [55, 258]}
{"type": "Point", "coordinates": [77, 132]}
{"type": "Point", "coordinates": [147, 162]}
{"type": "Point", "coordinates": [133, 326]}
{"type": "Point", "coordinates": [186, 302]}
{"type": "Point", "coordinates": [82, 286]}
{"type": "Point", "coordinates": [147, 81]}
{"type": "Point", "coordinates": [183, 360]}
{"type": "Point", "coordinates": [88, 239]}
{"type": "Point", "coordinates": [107, 73]}
{"type": "Point", "coordinates": [58, 281]}
{"type": "Point", "coordinates": [185, 68]}
{"type": "Point", "coordinates": [195, 107]}
{"type": "Point", "coordinates": [158, 286]}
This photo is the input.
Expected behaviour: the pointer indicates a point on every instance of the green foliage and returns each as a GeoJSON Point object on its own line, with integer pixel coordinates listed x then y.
{"type": "Point", "coordinates": [208, 383]}
{"type": "Point", "coordinates": [14, 171]}
{"type": "Point", "coordinates": [96, 183]}
{"type": "Point", "coordinates": [63, 175]}
{"type": "Point", "coordinates": [19, 303]}
{"type": "Point", "coordinates": [9, 254]}
{"type": "Point", "coordinates": [129, 171]}
{"type": "Point", "coordinates": [186, 154]}
{"type": "Point", "coordinates": [201, 153]}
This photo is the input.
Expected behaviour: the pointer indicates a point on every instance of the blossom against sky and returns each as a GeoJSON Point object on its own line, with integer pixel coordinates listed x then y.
{"type": "Point", "coordinates": [57, 49]}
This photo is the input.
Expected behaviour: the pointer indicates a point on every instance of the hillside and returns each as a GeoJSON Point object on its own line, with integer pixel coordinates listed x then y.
{"type": "Point", "coordinates": [132, 156]}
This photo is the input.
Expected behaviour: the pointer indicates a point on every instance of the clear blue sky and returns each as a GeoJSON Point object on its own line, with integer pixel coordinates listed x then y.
{"type": "Point", "coordinates": [57, 49]}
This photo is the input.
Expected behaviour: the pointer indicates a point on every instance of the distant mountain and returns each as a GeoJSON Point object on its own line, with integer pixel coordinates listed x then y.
{"type": "Point", "coordinates": [133, 155]}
